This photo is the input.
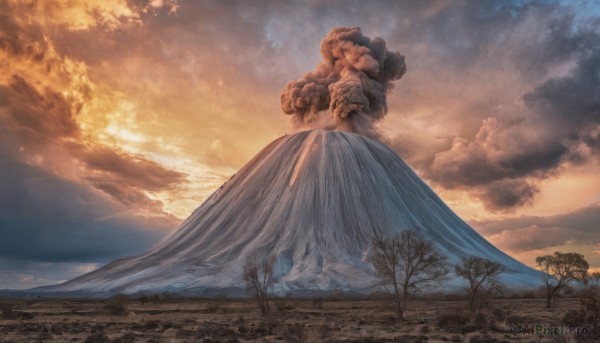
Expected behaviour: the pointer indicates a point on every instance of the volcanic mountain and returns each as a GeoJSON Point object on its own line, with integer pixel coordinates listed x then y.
{"type": "Point", "coordinates": [315, 199]}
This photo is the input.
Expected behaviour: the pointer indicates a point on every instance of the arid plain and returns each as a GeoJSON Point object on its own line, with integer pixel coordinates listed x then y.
{"type": "Point", "coordinates": [160, 319]}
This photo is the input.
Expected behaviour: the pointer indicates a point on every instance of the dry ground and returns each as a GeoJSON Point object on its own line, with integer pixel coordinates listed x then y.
{"type": "Point", "coordinates": [230, 320]}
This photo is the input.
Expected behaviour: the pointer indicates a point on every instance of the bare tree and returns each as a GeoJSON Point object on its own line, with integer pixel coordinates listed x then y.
{"type": "Point", "coordinates": [259, 277]}
{"type": "Point", "coordinates": [591, 285]}
{"type": "Point", "coordinates": [408, 262]}
{"type": "Point", "coordinates": [561, 270]}
{"type": "Point", "coordinates": [591, 288]}
{"type": "Point", "coordinates": [482, 275]}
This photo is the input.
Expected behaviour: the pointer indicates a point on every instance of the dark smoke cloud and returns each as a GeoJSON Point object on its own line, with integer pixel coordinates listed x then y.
{"type": "Point", "coordinates": [352, 80]}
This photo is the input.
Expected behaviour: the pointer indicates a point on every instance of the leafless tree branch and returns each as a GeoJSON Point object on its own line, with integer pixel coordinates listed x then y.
{"type": "Point", "coordinates": [259, 278]}
{"type": "Point", "coordinates": [483, 277]}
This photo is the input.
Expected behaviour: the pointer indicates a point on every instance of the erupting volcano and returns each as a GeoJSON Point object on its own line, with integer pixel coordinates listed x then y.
{"type": "Point", "coordinates": [315, 198]}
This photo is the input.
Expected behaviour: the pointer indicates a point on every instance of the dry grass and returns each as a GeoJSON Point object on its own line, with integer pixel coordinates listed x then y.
{"type": "Point", "coordinates": [7, 309]}
{"type": "Point", "coordinates": [294, 320]}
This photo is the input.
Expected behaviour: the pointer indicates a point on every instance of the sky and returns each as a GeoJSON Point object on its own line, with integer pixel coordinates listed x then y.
{"type": "Point", "coordinates": [119, 117]}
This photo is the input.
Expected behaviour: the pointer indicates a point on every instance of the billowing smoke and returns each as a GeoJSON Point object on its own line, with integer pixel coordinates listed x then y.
{"type": "Point", "coordinates": [351, 81]}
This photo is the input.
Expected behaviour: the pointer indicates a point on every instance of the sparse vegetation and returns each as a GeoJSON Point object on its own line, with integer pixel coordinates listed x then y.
{"type": "Point", "coordinates": [345, 320]}
{"type": "Point", "coordinates": [408, 263]}
{"type": "Point", "coordinates": [482, 275]}
{"type": "Point", "coordinates": [588, 314]}
{"type": "Point", "coordinates": [153, 298]}
{"type": "Point", "coordinates": [561, 270]}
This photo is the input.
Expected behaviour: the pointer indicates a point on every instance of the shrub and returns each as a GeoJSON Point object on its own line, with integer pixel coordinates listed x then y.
{"type": "Point", "coordinates": [499, 314]}
{"type": "Point", "coordinates": [537, 293]}
{"type": "Point", "coordinates": [317, 303]}
{"type": "Point", "coordinates": [480, 320]}
{"type": "Point", "coordinates": [213, 308]}
{"type": "Point", "coordinates": [281, 306]}
{"type": "Point", "coordinates": [573, 317]}
{"type": "Point", "coordinates": [7, 310]}
{"type": "Point", "coordinates": [452, 320]}
{"type": "Point", "coordinates": [588, 312]}
{"type": "Point", "coordinates": [324, 330]}
{"type": "Point", "coordinates": [117, 305]}
{"type": "Point", "coordinates": [126, 338]}
{"type": "Point", "coordinates": [145, 299]}
{"type": "Point", "coordinates": [97, 338]}
{"type": "Point", "coordinates": [294, 334]}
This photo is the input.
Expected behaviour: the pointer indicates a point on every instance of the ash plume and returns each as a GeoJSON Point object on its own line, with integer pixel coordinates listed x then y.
{"type": "Point", "coordinates": [351, 81]}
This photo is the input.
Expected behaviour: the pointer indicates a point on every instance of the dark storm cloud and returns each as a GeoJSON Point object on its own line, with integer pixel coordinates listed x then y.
{"type": "Point", "coordinates": [496, 153]}
{"type": "Point", "coordinates": [41, 121]}
{"type": "Point", "coordinates": [534, 232]}
{"type": "Point", "coordinates": [36, 123]}
{"type": "Point", "coordinates": [45, 217]}
{"type": "Point", "coordinates": [556, 122]}
{"type": "Point", "coordinates": [130, 169]}
{"type": "Point", "coordinates": [64, 197]}
{"type": "Point", "coordinates": [47, 114]}
{"type": "Point", "coordinates": [500, 166]}
{"type": "Point", "coordinates": [508, 193]}
{"type": "Point", "coordinates": [572, 103]}
{"type": "Point", "coordinates": [127, 195]}
{"type": "Point", "coordinates": [125, 176]}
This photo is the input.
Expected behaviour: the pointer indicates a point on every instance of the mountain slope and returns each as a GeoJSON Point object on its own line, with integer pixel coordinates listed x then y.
{"type": "Point", "coordinates": [316, 199]}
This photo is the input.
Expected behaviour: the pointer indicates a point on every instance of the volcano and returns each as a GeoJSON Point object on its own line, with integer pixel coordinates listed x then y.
{"type": "Point", "coordinates": [315, 199]}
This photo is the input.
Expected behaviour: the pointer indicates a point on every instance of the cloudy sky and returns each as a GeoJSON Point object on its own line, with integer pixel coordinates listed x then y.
{"type": "Point", "coordinates": [119, 117]}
